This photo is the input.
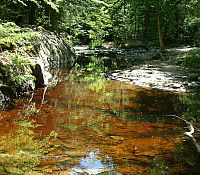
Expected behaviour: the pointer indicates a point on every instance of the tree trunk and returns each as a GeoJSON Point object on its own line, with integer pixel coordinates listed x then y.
{"type": "Point", "coordinates": [32, 14]}
{"type": "Point", "coordinates": [159, 27]}
{"type": "Point", "coordinates": [146, 22]}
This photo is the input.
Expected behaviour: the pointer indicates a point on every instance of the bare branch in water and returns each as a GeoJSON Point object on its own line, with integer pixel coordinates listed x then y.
{"type": "Point", "coordinates": [189, 134]}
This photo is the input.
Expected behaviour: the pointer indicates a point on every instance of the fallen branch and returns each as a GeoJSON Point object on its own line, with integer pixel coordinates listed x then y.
{"type": "Point", "coordinates": [189, 134]}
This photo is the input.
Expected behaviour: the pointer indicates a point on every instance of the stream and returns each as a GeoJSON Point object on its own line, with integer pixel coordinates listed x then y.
{"type": "Point", "coordinates": [110, 127]}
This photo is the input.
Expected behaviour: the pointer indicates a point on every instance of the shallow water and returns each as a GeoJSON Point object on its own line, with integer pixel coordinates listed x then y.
{"type": "Point", "coordinates": [115, 129]}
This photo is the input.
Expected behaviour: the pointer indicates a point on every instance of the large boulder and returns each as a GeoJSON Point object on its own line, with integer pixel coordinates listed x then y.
{"type": "Point", "coordinates": [52, 51]}
{"type": "Point", "coordinates": [26, 70]}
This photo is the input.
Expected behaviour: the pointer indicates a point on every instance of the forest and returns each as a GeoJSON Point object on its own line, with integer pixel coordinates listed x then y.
{"type": "Point", "coordinates": [161, 23]}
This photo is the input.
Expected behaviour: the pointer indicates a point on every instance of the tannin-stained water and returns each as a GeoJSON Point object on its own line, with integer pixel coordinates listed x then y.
{"type": "Point", "coordinates": [116, 129]}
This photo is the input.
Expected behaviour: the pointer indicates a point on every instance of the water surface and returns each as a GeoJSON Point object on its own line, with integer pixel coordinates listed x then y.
{"type": "Point", "coordinates": [115, 129]}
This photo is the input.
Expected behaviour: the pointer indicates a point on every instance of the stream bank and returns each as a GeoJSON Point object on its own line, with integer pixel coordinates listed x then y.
{"type": "Point", "coordinates": [147, 68]}
{"type": "Point", "coordinates": [26, 56]}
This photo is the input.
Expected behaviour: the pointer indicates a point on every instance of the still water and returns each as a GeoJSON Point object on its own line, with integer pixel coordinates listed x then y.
{"type": "Point", "coordinates": [108, 128]}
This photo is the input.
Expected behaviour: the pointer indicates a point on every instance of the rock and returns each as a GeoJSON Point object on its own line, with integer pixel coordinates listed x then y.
{"type": "Point", "coordinates": [7, 94]}
{"type": "Point", "coordinates": [38, 73]}
{"type": "Point", "coordinates": [193, 77]}
{"type": "Point", "coordinates": [176, 85]}
{"type": "Point", "coordinates": [16, 79]}
{"type": "Point", "coordinates": [148, 75]}
{"type": "Point", "coordinates": [56, 51]}
{"type": "Point", "coordinates": [7, 91]}
{"type": "Point", "coordinates": [53, 51]}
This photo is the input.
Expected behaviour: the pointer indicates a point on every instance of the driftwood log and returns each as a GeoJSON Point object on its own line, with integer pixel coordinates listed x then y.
{"type": "Point", "coordinates": [189, 134]}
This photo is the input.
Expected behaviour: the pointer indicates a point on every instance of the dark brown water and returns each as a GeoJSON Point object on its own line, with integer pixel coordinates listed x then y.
{"type": "Point", "coordinates": [106, 128]}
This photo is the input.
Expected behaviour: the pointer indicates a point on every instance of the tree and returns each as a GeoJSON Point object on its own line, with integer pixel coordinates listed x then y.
{"type": "Point", "coordinates": [93, 21]}
{"type": "Point", "coordinates": [159, 26]}
{"type": "Point", "coordinates": [33, 12]}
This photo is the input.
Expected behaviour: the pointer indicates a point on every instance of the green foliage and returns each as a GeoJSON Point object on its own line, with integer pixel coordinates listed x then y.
{"type": "Point", "coordinates": [19, 72]}
{"type": "Point", "coordinates": [53, 5]}
{"type": "Point", "coordinates": [190, 107]}
{"type": "Point", "coordinates": [7, 28]}
{"type": "Point", "coordinates": [192, 60]}
{"type": "Point", "coordinates": [85, 22]}
{"type": "Point", "coordinates": [99, 21]}
{"type": "Point", "coordinates": [12, 37]}
{"type": "Point", "coordinates": [16, 45]}
{"type": "Point", "coordinates": [93, 22]}
{"type": "Point", "coordinates": [192, 30]}
{"type": "Point", "coordinates": [30, 12]}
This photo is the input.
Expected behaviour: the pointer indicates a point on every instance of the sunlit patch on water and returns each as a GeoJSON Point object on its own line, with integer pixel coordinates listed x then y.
{"type": "Point", "coordinates": [92, 163]}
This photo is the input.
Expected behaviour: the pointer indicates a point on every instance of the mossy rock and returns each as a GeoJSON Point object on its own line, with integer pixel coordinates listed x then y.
{"type": "Point", "coordinates": [25, 56]}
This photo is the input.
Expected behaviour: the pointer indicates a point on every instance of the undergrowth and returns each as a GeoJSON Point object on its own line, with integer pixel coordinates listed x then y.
{"type": "Point", "coordinates": [16, 52]}
{"type": "Point", "coordinates": [192, 60]}
{"type": "Point", "coordinates": [14, 38]}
